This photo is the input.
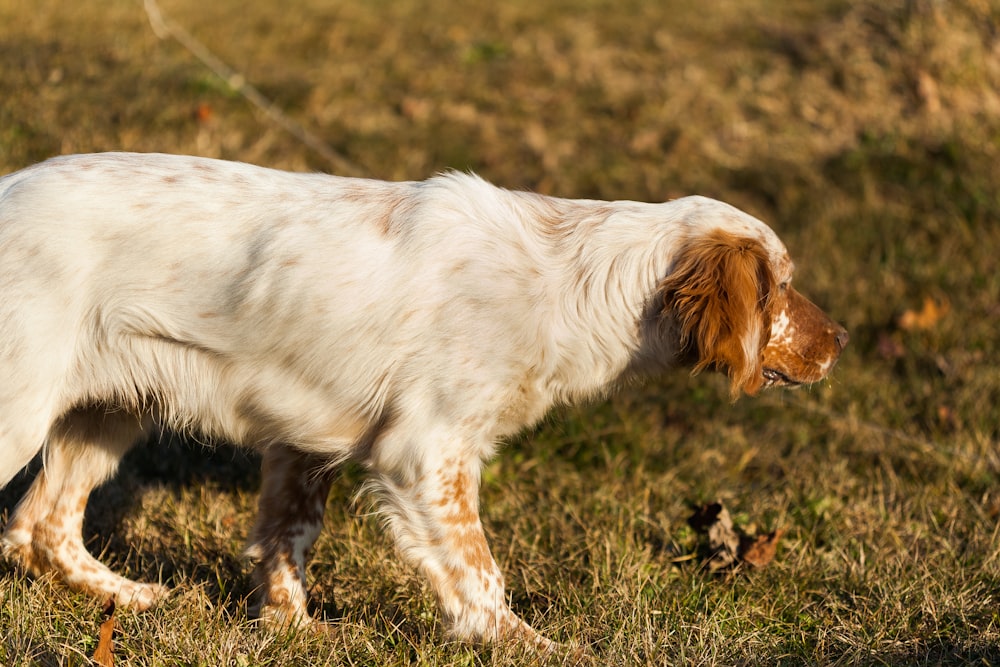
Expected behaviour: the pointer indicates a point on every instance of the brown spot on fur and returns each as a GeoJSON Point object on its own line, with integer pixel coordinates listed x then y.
{"type": "Point", "coordinates": [456, 491]}
{"type": "Point", "coordinates": [475, 552]}
{"type": "Point", "coordinates": [356, 194]}
{"type": "Point", "coordinates": [396, 209]}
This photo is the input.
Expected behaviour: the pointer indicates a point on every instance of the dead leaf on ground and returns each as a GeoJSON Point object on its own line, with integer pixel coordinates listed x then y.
{"type": "Point", "coordinates": [104, 653]}
{"type": "Point", "coordinates": [932, 312]}
{"type": "Point", "coordinates": [723, 541]}
{"type": "Point", "coordinates": [759, 551]}
{"type": "Point", "coordinates": [948, 418]}
{"type": "Point", "coordinates": [727, 546]}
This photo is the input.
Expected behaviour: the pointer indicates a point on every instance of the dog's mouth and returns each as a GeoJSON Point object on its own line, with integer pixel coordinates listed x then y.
{"type": "Point", "coordinates": [776, 378]}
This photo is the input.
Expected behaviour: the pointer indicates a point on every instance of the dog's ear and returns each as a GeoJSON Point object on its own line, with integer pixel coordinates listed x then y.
{"type": "Point", "coordinates": [719, 293]}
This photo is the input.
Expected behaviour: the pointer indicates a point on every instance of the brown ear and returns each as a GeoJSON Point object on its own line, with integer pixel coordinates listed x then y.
{"type": "Point", "coordinates": [719, 293]}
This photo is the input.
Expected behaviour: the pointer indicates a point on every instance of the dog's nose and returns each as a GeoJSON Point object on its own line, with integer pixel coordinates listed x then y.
{"type": "Point", "coordinates": [842, 337]}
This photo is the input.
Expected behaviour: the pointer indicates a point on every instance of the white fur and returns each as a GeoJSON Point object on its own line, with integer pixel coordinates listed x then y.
{"type": "Point", "coordinates": [408, 325]}
{"type": "Point", "coordinates": [261, 306]}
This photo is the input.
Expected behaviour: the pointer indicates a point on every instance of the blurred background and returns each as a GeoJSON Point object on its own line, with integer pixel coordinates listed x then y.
{"type": "Point", "coordinates": [866, 133]}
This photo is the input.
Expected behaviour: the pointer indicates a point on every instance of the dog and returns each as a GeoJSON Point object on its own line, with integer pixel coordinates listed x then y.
{"type": "Point", "coordinates": [409, 326]}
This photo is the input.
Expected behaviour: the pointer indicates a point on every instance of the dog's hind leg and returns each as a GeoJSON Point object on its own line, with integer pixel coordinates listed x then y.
{"type": "Point", "coordinates": [45, 533]}
{"type": "Point", "coordinates": [290, 516]}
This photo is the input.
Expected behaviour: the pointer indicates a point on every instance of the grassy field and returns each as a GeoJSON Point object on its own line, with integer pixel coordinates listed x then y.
{"type": "Point", "coordinates": [867, 133]}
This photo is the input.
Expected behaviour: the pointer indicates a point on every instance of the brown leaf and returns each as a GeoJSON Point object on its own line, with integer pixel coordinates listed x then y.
{"type": "Point", "coordinates": [759, 551]}
{"type": "Point", "coordinates": [729, 547]}
{"type": "Point", "coordinates": [204, 113]}
{"type": "Point", "coordinates": [948, 418]}
{"type": "Point", "coordinates": [723, 542]}
{"type": "Point", "coordinates": [932, 312]}
{"type": "Point", "coordinates": [104, 653]}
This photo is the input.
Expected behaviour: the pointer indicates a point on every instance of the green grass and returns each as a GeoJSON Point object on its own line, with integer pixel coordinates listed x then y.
{"type": "Point", "coordinates": [866, 133]}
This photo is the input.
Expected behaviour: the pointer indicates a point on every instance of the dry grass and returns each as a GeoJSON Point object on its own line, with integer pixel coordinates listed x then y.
{"type": "Point", "coordinates": [867, 133]}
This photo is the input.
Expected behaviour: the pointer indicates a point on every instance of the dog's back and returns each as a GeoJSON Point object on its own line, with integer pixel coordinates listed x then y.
{"type": "Point", "coordinates": [258, 305]}
{"type": "Point", "coordinates": [203, 288]}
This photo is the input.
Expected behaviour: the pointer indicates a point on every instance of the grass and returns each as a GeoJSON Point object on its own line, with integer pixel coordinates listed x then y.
{"type": "Point", "coordinates": [866, 133]}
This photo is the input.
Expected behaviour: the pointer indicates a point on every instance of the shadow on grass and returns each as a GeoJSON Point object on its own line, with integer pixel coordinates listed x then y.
{"type": "Point", "coordinates": [176, 464]}
{"type": "Point", "coordinates": [180, 466]}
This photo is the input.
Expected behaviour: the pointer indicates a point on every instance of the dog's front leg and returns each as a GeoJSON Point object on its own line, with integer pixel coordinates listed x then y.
{"type": "Point", "coordinates": [434, 517]}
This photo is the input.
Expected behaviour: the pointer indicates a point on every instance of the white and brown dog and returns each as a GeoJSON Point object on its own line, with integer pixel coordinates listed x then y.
{"type": "Point", "coordinates": [409, 326]}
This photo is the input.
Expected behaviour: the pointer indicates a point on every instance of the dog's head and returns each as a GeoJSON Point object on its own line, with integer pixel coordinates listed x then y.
{"type": "Point", "coordinates": [730, 296]}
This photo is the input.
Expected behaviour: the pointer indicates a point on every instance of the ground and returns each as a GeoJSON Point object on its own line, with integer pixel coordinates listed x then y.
{"type": "Point", "coordinates": [866, 133]}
